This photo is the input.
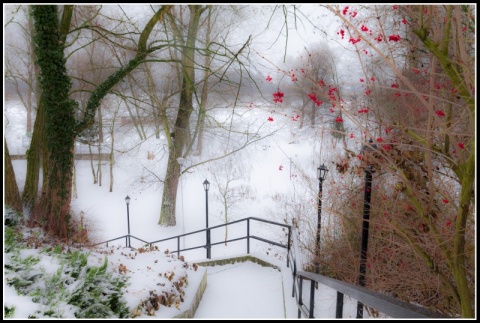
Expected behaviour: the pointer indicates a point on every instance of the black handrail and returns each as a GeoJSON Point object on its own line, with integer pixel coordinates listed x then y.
{"type": "Point", "coordinates": [121, 237]}
{"type": "Point", "coordinates": [383, 303]}
{"type": "Point", "coordinates": [247, 237]}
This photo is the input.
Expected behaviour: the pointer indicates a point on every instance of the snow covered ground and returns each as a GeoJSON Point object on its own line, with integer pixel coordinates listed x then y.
{"type": "Point", "coordinates": [266, 172]}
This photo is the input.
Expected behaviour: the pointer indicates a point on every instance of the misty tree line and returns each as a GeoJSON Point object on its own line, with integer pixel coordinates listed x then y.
{"type": "Point", "coordinates": [416, 101]}
{"type": "Point", "coordinates": [85, 39]}
{"type": "Point", "coordinates": [186, 45]}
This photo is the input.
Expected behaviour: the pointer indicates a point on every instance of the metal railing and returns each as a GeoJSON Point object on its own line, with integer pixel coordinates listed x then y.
{"type": "Point", "coordinates": [247, 237]}
{"type": "Point", "coordinates": [384, 304]}
{"type": "Point", "coordinates": [127, 240]}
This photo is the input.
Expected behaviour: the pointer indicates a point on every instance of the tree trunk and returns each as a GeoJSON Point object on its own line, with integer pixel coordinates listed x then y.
{"type": "Point", "coordinates": [98, 175]}
{"type": "Point", "coordinates": [313, 112]}
{"type": "Point", "coordinates": [59, 118]}
{"type": "Point", "coordinates": [201, 129]}
{"type": "Point", "coordinates": [178, 142]}
{"type": "Point", "coordinates": [302, 113]}
{"type": "Point", "coordinates": [202, 112]}
{"type": "Point", "coordinates": [92, 167]}
{"type": "Point", "coordinates": [74, 182]}
{"type": "Point", "coordinates": [465, 171]}
{"type": "Point", "coordinates": [34, 159]}
{"type": "Point", "coordinates": [55, 202]}
{"type": "Point", "coordinates": [459, 257]}
{"type": "Point", "coordinates": [32, 75]}
{"type": "Point", "coordinates": [156, 104]}
{"type": "Point", "coordinates": [136, 118]}
{"type": "Point", "coordinates": [12, 195]}
{"type": "Point", "coordinates": [112, 149]}
{"type": "Point", "coordinates": [37, 152]}
{"type": "Point", "coordinates": [170, 186]}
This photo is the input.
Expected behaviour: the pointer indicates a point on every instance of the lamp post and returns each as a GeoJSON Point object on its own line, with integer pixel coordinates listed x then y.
{"type": "Point", "coordinates": [366, 215]}
{"type": "Point", "coordinates": [127, 200]}
{"type": "Point", "coordinates": [206, 186]}
{"type": "Point", "coordinates": [321, 173]}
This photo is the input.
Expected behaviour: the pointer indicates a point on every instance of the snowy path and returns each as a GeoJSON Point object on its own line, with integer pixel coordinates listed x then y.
{"type": "Point", "coordinates": [242, 290]}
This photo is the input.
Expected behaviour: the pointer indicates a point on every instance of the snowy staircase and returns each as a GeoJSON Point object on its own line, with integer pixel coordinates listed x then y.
{"type": "Point", "coordinates": [289, 306]}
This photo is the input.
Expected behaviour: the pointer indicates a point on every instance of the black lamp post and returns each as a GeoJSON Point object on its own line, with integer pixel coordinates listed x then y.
{"type": "Point", "coordinates": [366, 215]}
{"type": "Point", "coordinates": [206, 186]}
{"type": "Point", "coordinates": [127, 200]}
{"type": "Point", "coordinates": [321, 173]}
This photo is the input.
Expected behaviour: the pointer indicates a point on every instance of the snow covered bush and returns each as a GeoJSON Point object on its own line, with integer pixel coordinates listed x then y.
{"type": "Point", "coordinates": [62, 282]}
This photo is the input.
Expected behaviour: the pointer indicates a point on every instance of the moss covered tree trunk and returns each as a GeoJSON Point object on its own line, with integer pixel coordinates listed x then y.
{"type": "Point", "coordinates": [59, 119]}
{"type": "Point", "coordinates": [37, 156]}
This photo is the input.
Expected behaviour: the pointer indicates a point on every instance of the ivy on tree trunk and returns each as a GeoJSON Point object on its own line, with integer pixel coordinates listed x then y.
{"type": "Point", "coordinates": [59, 119]}
{"type": "Point", "coordinates": [60, 126]}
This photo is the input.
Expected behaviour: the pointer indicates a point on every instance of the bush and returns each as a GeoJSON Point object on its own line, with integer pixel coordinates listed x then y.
{"type": "Point", "coordinates": [99, 295]}
{"type": "Point", "coordinates": [9, 311]}
{"type": "Point", "coordinates": [91, 292]}
{"type": "Point", "coordinates": [12, 218]}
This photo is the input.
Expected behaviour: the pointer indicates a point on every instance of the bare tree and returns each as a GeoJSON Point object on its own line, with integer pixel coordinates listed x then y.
{"type": "Point", "coordinates": [228, 179]}
{"type": "Point", "coordinates": [21, 71]}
